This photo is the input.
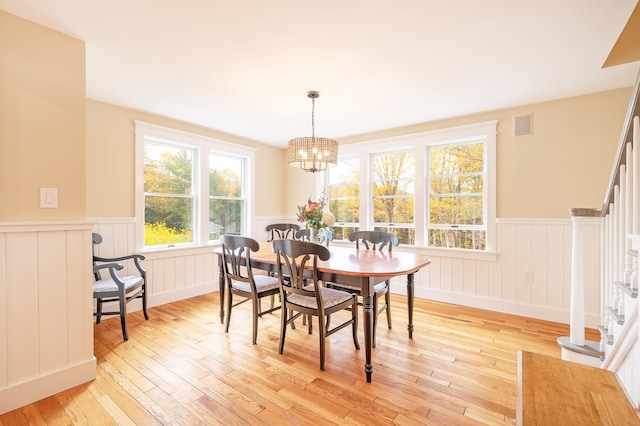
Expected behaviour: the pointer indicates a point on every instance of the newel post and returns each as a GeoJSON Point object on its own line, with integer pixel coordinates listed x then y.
{"type": "Point", "coordinates": [575, 347]}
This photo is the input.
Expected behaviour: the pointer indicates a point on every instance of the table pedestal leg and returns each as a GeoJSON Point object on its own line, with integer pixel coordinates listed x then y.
{"type": "Point", "coordinates": [367, 310]}
{"type": "Point", "coordinates": [410, 304]}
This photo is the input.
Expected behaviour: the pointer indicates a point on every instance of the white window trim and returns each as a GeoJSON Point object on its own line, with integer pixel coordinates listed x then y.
{"type": "Point", "coordinates": [419, 143]}
{"type": "Point", "coordinates": [204, 145]}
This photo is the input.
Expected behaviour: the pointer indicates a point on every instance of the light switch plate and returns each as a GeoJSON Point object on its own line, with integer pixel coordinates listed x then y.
{"type": "Point", "coordinates": [48, 198]}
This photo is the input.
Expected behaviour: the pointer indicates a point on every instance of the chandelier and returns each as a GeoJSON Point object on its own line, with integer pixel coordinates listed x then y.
{"type": "Point", "coordinates": [312, 154]}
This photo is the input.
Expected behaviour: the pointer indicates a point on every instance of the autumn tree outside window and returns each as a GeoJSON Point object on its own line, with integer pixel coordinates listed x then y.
{"type": "Point", "coordinates": [193, 188]}
{"type": "Point", "coordinates": [432, 189]}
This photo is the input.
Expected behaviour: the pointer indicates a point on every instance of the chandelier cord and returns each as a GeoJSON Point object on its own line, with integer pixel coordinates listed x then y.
{"type": "Point", "coordinates": [313, 119]}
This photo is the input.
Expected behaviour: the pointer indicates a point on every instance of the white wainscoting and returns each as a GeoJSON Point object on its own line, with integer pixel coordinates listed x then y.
{"type": "Point", "coordinates": [46, 331]}
{"type": "Point", "coordinates": [529, 275]}
{"type": "Point", "coordinates": [172, 275]}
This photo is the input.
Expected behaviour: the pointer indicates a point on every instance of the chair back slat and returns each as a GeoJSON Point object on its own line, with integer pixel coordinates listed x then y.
{"type": "Point", "coordinates": [375, 240]}
{"type": "Point", "coordinates": [236, 257]}
{"type": "Point", "coordinates": [280, 231]}
{"type": "Point", "coordinates": [292, 258]}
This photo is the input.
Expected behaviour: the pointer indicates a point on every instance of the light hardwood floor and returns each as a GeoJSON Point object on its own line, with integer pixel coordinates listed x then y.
{"type": "Point", "coordinates": [181, 368]}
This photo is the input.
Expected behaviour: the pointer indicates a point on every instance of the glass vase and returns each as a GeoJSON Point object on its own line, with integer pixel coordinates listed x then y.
{"type": "Point", "coordinates": [314, 235]}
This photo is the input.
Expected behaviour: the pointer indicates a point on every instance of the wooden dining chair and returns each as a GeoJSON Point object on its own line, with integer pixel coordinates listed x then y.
{"type": "Point", "coordinates": [373, 240]}
{"type": "Point", "coordinates": [279, 231]}
{"type": "Point", "coordinates": [299, 297]}
{"type": "Point", "coordinates": [116, 288]}
{"type": "Point", "coordinates": [241, 282]}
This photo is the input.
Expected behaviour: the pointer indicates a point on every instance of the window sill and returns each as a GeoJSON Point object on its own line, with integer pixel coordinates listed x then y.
{"type": "Point", "coordinates": [490, 256]}
{"type": "Point", "coordinates": [168, 252]}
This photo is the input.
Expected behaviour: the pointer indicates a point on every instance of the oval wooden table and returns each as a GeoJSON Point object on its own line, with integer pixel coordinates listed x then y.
{"type": "Point", "coordinates": [363, 268]}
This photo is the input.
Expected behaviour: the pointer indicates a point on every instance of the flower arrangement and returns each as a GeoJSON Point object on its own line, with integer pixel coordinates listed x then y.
{"type": "Point", "coordinates": [312, 214]}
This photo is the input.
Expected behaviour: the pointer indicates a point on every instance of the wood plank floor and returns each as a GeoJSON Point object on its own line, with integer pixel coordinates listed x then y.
{"type": "Point", "coordinates": [181, 368]}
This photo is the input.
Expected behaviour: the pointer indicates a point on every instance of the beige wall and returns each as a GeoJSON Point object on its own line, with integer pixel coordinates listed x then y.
{"type": "Point", "coordinates": [565, 163]}
{"type": "Point", "coordinates": [42, 116]}
{"type": "Point", "coordinates": [47, 125]}
{"type": "Point", "coordinates": [111, 153]}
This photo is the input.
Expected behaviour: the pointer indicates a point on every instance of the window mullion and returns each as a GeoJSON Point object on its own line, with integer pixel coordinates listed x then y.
{"type": "Point", "coordinates": [202, 208]}
{"type": "Point", "coordinates": [421, 193]}
{"type": "Point", "coordinates": [366, 199]}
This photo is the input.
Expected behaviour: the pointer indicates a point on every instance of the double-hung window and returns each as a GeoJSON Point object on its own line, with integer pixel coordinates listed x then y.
{"type": "Point", "coordinates": [190, 189]}
{"type": "Point", "coordinates": [432, 189]}
{"type": "Point", "coordinates": [344, 196]}
{"type": "Point", "coordinates": [392, 194]}
{"type": "Point", "coordinates": [456, 196]}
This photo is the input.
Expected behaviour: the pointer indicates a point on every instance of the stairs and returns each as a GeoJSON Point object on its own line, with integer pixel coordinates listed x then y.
{"type": "Point", "coordinates": [619, 219]}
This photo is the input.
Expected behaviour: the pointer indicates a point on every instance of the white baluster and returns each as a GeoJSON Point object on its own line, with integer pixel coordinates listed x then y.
{"type": "Point", "coordinates": [622, 210]}
{"type": "Point", "coordinates": [604, 273]}
{"type": "Point", "coordinates": [628, 223]}
{"type": "Point", "coordinates": [634, 272]}
{"type": "Point", "coordinates": [620, 306]}
{"type": "Point", "coordinates": [636, 196]}
{"type": "Point", "coordinates": [636, 187]}
{"type": "Point", "coordinates": [609, 245]}
{"type": "Point", "coordinates": [615, 214]}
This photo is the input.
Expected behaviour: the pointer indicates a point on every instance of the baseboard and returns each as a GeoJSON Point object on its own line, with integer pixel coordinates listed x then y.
{"type": "Point", "coordinates": [530, 311]}
{"type": "Point", "coordinates": [185, 293]}
{"type": "Point", "coordinates": [25, 393]}
{"type": "Point", "coordinates": [163, 298]}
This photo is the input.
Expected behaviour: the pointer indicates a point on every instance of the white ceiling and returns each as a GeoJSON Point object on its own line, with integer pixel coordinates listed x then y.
{"type": "Point", "coordinates": [245, 66]}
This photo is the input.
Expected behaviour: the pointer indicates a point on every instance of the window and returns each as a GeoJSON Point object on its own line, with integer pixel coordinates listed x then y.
{"type": "Point", "coordinates": [226, 195]}
{"type": "Point", "coordinates": [456, 196]}
{"type": "Point", "coordinates": [344, 196]}
{"type": "Point", "coordinates": [432, 189]}
{"type": "Point", "coordinates": [169, 198]}
{"type": "Point", "coordinates": [393, 194]}
{"type": "Point", "coordinates": [192, 189]}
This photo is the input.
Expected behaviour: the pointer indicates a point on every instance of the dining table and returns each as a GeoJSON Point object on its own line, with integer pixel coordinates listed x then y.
{"type": "Point", "coordinates": [357, 267]}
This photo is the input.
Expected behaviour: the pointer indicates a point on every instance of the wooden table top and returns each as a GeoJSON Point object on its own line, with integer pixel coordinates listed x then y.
{"type": "Point", "coordinates": [360, 263]}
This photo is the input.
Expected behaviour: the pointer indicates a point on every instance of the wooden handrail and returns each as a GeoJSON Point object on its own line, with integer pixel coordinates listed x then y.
{"type": "Point", "coordinates": [625, 137]}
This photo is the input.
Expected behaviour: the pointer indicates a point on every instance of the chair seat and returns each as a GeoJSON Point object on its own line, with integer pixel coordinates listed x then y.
{"type": "Point", "coordinates": [356, 289]}
{"type": "Point", "coordinates": [263, 283]}
{"type": "Point", "coordinates": [108, 286]}
{"type": "Point", "coordinates": [330, 296]}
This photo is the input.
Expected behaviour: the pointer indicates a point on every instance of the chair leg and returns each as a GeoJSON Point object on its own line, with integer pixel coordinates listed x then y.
{"type": "Point", "coordinates": [283, 328]}
{"type": "Point", "coordinates": [387, 299]}
{"type": "Point", "coordinates": [98, 310]}
{"type": "Point", "coordinates": [144, 300]}
{"type": "Point", "coordinates": [354, 326]}
{"type": "Point", "coordinates": [322, 333]}
{"type": "Point", "coordinates": [123, 316]}
{"type": "Point", "coordinates": [229, 304]}
{"type": "Point", "coordinates": [255, 303]}
{"type": "Point", "coordinates": [375, 321]}
{"type": "Point", "coordinates": [293, 323]}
